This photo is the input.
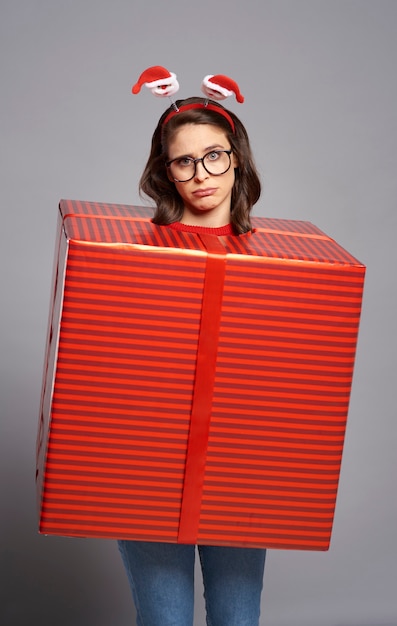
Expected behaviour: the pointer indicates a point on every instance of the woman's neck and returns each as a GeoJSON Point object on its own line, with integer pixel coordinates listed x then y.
{"type": "Point", "coordinates": [208, 219]}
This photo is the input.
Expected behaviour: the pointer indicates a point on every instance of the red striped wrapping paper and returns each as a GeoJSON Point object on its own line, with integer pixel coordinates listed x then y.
{"type": "Point", "coordinates": [195, 388]}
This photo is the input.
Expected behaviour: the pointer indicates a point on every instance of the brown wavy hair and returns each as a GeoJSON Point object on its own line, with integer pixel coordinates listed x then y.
{"type": "Point", "coordinates": [156, 185]}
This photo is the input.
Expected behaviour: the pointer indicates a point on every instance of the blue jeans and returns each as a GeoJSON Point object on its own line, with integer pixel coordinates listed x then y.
{"type": "Point", "coordinates": [161, 576]}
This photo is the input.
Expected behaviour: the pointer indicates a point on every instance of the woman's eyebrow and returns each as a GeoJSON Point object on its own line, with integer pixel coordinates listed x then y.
{"type": "Point", "coordinates": [216, 146]}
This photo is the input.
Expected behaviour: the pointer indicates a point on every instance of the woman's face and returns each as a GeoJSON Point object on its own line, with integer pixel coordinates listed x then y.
{"type": "Point", "coordinates": [206, 197]}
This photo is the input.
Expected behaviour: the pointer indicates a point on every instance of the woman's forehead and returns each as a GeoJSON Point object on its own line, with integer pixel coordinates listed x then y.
{"type": "Point", "coordinates": [197, 137]}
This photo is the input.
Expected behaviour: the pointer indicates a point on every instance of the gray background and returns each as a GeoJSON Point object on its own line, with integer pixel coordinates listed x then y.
{"type": "Point", "coordinates": [319, 78]}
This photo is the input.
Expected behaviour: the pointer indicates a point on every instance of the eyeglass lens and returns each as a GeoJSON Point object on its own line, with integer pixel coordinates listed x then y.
{"type": "Point", "coordinates": [216, 162]}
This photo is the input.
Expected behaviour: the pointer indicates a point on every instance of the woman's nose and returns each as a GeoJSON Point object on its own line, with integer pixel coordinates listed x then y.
{"type": "Point", "coordinates": [200, 173]}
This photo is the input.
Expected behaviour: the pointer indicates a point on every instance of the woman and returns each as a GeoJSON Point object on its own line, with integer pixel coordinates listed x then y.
{"type": "Point", "coordinates": [202, 178]}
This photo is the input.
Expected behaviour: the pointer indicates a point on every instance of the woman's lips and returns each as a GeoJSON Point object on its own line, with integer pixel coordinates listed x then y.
{"type": "Point", "coordinates": [203, 193]}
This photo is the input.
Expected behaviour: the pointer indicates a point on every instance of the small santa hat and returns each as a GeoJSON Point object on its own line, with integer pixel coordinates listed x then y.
{"type": "Point", "coordinates": [156, 76]}
{"type": "Point", "coordinates": [220, 87]}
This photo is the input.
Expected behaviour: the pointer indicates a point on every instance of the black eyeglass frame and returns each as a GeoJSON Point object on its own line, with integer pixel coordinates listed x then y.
{"type": "Point", "coordinates": [195, 161]}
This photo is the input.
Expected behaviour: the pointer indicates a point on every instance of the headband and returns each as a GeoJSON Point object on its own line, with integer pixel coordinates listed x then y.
{"type": "Point", "coordinates": [163, 83]}
{"type": "Point", "coordinates": [200, 105]}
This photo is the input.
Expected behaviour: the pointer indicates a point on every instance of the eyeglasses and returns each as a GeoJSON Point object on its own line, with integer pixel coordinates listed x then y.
{"type": "Point", "coordinates": [216, 163]}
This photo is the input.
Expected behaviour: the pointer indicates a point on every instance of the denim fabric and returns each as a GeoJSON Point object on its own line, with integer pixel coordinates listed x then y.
{"type": "Point", "coordinates": [161, 576]}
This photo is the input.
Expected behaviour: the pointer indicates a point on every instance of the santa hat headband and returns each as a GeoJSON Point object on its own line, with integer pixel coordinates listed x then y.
{"type": "Point", "coordinates": [163, 83]}
{"type": "Point", "coordinates": [200, 105]}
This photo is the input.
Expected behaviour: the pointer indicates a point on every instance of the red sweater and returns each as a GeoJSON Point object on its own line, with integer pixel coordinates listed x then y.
{"type": "Point", "coordinates": [221, 230]}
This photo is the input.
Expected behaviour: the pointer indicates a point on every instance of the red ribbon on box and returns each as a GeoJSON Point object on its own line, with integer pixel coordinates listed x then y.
{"type": "Point", "coordinates": [203, 389]}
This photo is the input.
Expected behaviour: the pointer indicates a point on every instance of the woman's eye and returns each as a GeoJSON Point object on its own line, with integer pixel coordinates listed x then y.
{"type": "Point", "coordinates": [185, 162]}
{"type": "Point", "coordinates": [213, 156]}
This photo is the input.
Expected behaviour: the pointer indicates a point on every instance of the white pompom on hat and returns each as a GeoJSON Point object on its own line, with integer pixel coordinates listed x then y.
{"type": "Point", "coordinates": [219, 87]}
{"type": "Point", "coordinates": [158, 80]}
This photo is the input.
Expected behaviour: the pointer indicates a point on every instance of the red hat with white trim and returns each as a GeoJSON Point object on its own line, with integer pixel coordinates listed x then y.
{"type": "Point", "coordinates": [159, 80]}
{"type": "Point", "coordinates": [162, 83]}
{"type": "Point", "coordinates": [219, 87]}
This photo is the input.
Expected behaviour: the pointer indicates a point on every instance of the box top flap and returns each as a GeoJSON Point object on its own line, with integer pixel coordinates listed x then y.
{"type": "Point", "coordinates": [272, 238]}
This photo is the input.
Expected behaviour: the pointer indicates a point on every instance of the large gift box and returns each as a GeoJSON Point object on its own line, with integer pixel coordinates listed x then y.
{"type": "Point", "coordinates": [196, 388]}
